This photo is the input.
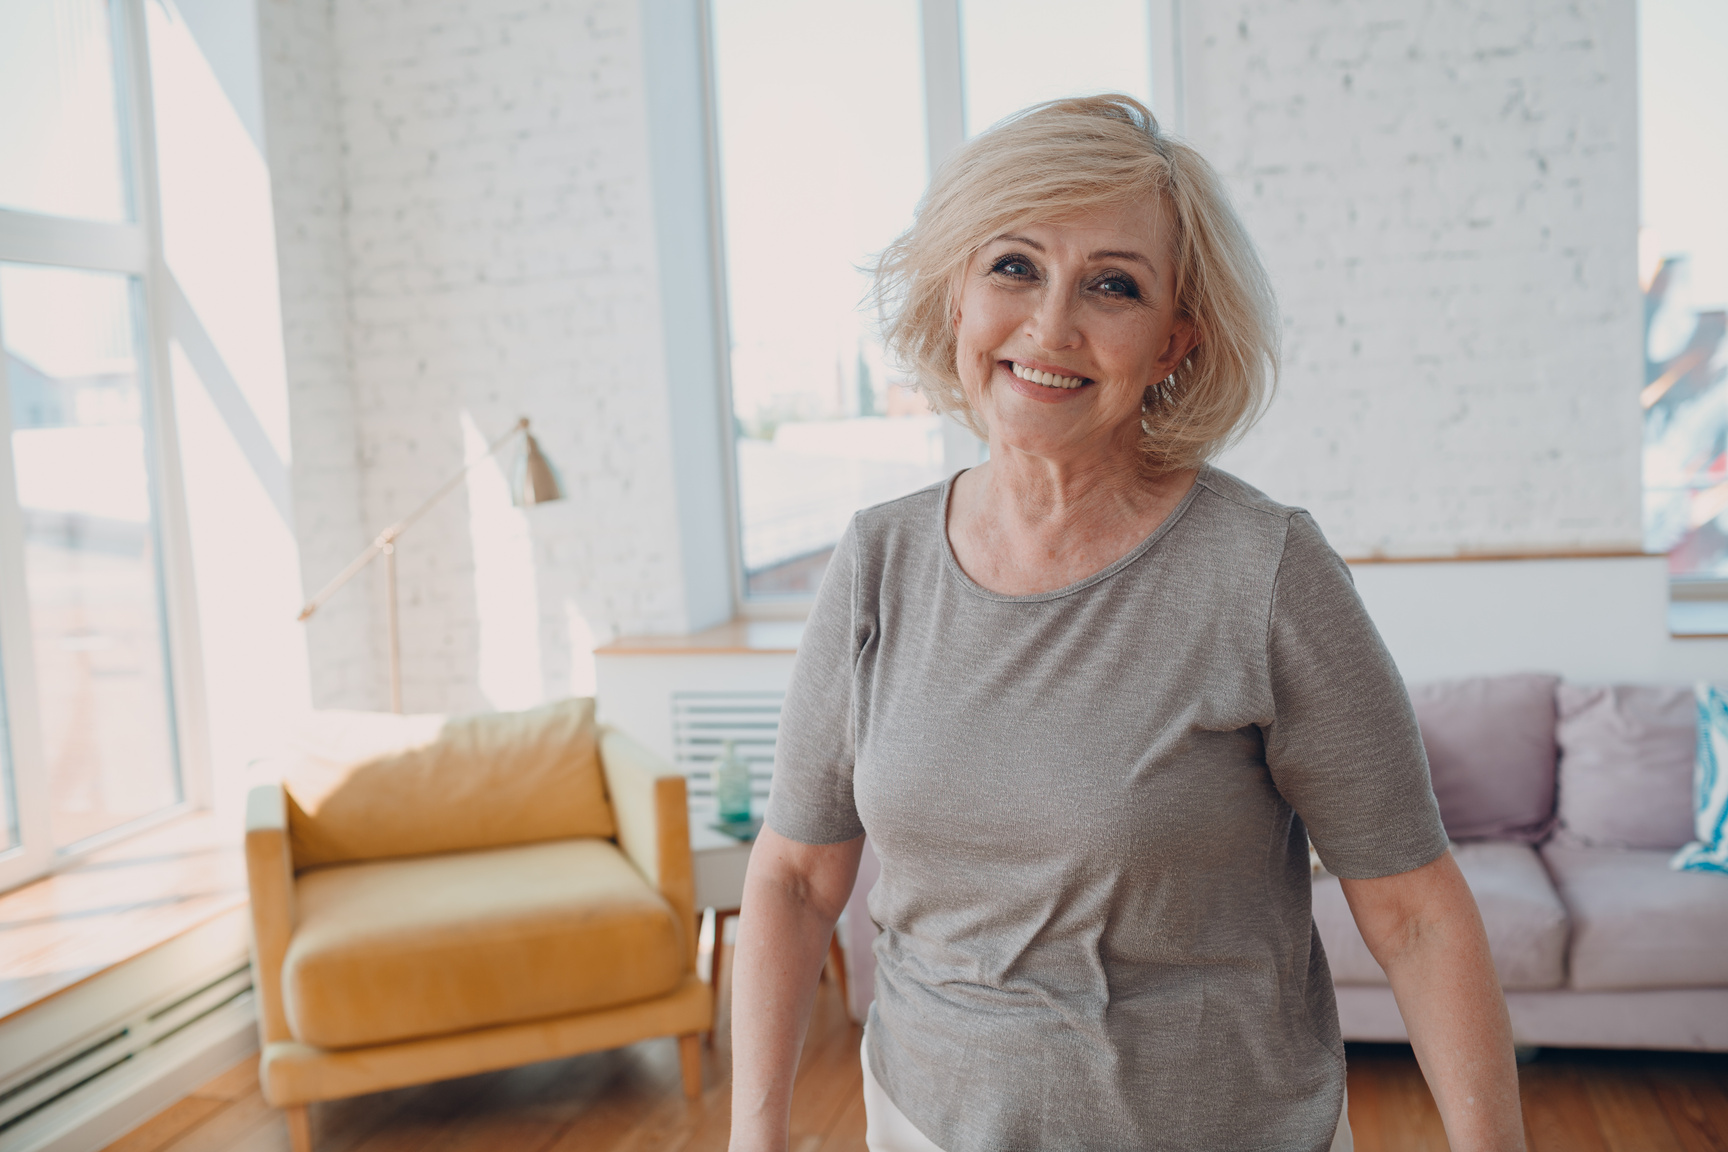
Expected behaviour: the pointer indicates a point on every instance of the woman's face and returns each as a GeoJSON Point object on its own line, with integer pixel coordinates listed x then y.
{"type": "Point", "coordinates": [1061, 327]}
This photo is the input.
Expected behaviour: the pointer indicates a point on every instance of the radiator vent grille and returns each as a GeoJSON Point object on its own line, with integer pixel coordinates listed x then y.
{"type": "Point", "coordinates": [702, 722]}
{"type": "Point", "coordinates": [106, 1051]}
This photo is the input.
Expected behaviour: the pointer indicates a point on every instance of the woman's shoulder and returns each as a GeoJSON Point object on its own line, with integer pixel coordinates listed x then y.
{"type": "Point", "coordinates": [910, 515]}
{"type": "Point", "coordinates": [1288, 532]}
{"type": "Point", "coordinates": [1243, 498]}
{"type": "Point", "coordinates": [1241, 512]}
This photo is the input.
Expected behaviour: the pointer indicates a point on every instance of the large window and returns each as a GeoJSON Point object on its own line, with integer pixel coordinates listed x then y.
{"type": "Point", "coordinates": [87, 719]}
{"type": "Point", "coordinates": [828, 118]}
{"type": "Point", "coordinates": [1683, 250]}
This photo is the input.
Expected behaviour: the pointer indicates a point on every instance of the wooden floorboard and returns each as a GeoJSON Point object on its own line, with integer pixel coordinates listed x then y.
{"type": "Point", "coordinates": [1698, 1113]}
{"type": "Point", "coordinates": [1557, 1112]}
{"type": "Point", "coordinates": [174, 1121]}
{"type": "Point", "coordinates": [630, 1100]}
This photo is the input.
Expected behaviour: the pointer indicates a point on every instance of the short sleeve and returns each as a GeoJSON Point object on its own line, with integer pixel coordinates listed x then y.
{"type": "Point", "coordinates": [1343, 747]}
{"type": "Point", "coordinates": [810, 799]}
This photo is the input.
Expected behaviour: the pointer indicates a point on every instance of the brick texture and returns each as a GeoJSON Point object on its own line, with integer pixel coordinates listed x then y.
{"type": "Point", "coordinates": [495, 259]}
{"type": "Point", "coordinates": [304, 144]}
{"type": "Point", "coordinates": [1446, 195]}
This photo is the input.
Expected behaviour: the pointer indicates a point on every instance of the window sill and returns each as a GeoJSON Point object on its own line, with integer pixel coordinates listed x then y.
{"type": "Point", "coordinates": [735, 637]}
{"type": "Point", "coordinates": [120, 902]}
{"type": "Point", "coordinates": [1697, 619]}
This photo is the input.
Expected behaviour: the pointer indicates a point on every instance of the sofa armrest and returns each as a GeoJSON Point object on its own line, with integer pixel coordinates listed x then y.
{"type": "Point", "coordinates": [653, 819]}
{"type": "Point", "coordinates": [270, 883]}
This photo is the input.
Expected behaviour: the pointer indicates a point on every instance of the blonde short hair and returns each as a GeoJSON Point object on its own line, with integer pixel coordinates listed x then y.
{"type": "Point", "coordinates": [1057, 160]}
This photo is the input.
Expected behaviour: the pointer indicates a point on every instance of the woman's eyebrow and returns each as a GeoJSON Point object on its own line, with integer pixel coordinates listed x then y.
{"type": "Point", "coordinates": [1119, 254]}
{"type": "Point", "coordinates": [1026, 240]}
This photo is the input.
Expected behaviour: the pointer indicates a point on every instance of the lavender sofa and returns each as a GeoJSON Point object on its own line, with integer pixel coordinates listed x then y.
{"type": "Point", "coordinates": [1565, 803]}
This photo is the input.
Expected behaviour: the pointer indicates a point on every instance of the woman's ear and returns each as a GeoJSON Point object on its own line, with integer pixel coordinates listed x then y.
{"type": "Point", "coordinates": [1184, 338]}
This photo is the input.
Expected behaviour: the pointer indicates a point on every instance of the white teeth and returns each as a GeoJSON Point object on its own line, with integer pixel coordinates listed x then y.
{"type": "Point", "coordinates": [1048, 379]}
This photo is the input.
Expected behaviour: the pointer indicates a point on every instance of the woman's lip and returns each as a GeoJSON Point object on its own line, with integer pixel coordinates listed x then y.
{"type": "Point", "coordinates": [1040, 392]}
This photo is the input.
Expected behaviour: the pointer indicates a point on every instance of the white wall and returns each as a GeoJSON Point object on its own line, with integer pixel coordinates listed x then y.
{"type": "Point", "coordinates": [467, 193]}
{"type": "Point", "coordinates": [228, 383]}
{"type": "Point", "coordinates": [1594, 621]}
{"type": "Point", "coordinates": [1446, 196]}
{"type": "Point", "coordinates": [468, 203]}
{"type": "Point", "coordinates": [304, 138]}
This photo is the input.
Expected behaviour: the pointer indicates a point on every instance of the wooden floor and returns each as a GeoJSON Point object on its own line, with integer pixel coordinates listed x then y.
{"type": "Point", "coordinates": [1574, 1101]}
{"type": "Point", "coordinates": [630, 1101]}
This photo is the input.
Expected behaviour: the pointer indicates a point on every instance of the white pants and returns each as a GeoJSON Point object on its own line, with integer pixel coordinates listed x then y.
{"type": "Point", "coordinates": [886, 1128]}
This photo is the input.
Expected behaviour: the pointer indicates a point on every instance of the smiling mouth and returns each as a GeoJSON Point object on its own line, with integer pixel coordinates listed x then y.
{"type": "Point", "coordinates": [1047, 379]}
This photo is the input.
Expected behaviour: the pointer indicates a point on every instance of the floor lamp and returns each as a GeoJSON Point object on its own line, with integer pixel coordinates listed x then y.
{"type": "Point", "coordinates": [534, 485]}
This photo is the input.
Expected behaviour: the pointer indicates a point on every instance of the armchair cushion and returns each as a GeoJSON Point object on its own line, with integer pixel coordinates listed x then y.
{"type": "Point", "coordinates": [363, 786]}
{"type": "Point", "coordinates": [394, 949]}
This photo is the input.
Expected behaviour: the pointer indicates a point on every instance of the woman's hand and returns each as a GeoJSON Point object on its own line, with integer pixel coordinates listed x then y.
{"type": "Point", "coordinates": [793, 894]}
{"type": "Point", "coordinates": [1424, 929]}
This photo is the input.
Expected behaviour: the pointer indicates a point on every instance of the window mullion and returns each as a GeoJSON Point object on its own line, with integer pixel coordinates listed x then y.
{"type": "Point", "coordinates": [32, 238]}
{"type": "Point", "coordinates": [944, 81]}
{"type": "Point", "coordinates": [1166, 48]}
{"type": "Point", "coordinates": [34, 851]}
{"type": "Point", "coordinates": [944, 132]}
{"type": "Point", "coordinates": [185, 651]}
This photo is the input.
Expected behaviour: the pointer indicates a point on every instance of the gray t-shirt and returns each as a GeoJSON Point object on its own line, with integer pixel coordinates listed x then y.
{"type": "Point", "coordinates": [1090, 808]}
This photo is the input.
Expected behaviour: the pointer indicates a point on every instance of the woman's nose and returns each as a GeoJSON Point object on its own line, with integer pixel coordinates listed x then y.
{"type": "Point", "coordinates": [1052, 324]}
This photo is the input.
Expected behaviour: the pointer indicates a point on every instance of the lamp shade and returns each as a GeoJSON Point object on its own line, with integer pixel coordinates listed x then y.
{"type": "Point", "coordinates": [535, 481]}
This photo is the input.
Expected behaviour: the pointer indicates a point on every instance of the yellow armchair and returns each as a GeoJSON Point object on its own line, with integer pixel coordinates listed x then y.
{"type": "Point", "coordinates": [432, 898]}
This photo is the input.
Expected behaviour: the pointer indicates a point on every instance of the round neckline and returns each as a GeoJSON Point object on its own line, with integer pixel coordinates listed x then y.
{"type": "Point", "coordinates": [952, 562]}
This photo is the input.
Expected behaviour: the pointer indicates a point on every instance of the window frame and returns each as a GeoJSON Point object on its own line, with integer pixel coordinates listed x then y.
{"type": "Point", "coordinates": [942, 51]}
{"type": "Point", "coordinates": [133, 248]}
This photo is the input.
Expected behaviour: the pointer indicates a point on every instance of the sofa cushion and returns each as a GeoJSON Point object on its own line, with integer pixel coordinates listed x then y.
{"type": "Point", "coordinates": [1491, 753]}
{"type": "Point", "coordinates": [363, 786]}
{"type": "Point", "coordinates": [1638, 924]}
{"type": "Point", "coordinates": [1625, 765]}
{"type": "Point", "coordinates": [1525, 920]}
{"type": "Point", "coordinates": [392, 949]}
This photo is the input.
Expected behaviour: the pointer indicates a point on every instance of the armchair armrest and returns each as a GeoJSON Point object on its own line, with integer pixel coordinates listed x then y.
{"type": "Point", "coordinates": [653, 824]}
{"type": "Point", "coordinates": [270, 882]}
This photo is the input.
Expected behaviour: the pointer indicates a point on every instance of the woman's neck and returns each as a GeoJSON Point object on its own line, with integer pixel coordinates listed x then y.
{"type": "Point", "coordinates": [1021, 524]}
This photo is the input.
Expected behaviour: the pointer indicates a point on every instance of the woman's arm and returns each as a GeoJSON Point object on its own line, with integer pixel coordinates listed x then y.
{"type": "Point", "coordinates": [1424, 929]}
{"type": "Point", "coordinates": [793, 894]}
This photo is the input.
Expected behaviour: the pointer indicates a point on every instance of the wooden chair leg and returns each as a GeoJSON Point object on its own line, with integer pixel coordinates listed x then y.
{"type": "Point", "coordinates": [837, 966]}
{"type": "Point", "coordinates": [721, 915]}
{"type": "Point", "coordinates": [689, 1062]}
{"type": "Point", "coordinates": [299, 1128]}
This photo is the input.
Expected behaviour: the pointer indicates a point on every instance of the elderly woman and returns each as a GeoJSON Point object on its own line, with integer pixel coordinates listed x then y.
{"type": "Point", "coordinates": [1091, 700]}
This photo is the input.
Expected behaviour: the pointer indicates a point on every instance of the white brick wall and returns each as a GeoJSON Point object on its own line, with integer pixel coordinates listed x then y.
{"type": "Point", "coordinates": [1446, 195]}
{"type": "Point", "coordinates": [304, 149]}
{"type": "Point", "coordinates": [304, 144]}
{"type": "Point", "coordinates": [498, 258]}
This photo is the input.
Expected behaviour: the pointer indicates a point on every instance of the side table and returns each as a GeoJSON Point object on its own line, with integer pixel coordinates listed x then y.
{"type": "Point", "coordinates": [719, 862]}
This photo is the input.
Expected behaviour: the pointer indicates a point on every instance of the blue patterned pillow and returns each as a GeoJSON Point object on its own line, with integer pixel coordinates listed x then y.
{"type": "Point", "coordinates": [1709, 853]}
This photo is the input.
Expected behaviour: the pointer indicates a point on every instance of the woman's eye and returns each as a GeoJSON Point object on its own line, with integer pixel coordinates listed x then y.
{"type": "Point", "coordinates": [1118, 286]}
{"type": "Point", "coordinates": [1013, 266]}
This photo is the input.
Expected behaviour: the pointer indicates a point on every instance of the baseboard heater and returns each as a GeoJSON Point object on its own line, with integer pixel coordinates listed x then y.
{"type": "Point", "coordinates": [84, 1068]}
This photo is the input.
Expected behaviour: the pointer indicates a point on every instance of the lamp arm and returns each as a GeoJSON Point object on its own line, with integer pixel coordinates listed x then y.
{"type": "Point", "coordinates": [390, 535]}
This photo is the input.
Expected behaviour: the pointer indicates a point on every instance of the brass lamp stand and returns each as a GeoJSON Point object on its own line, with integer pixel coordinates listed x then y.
{"type": "Point", "coordinates": [535, 485]}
